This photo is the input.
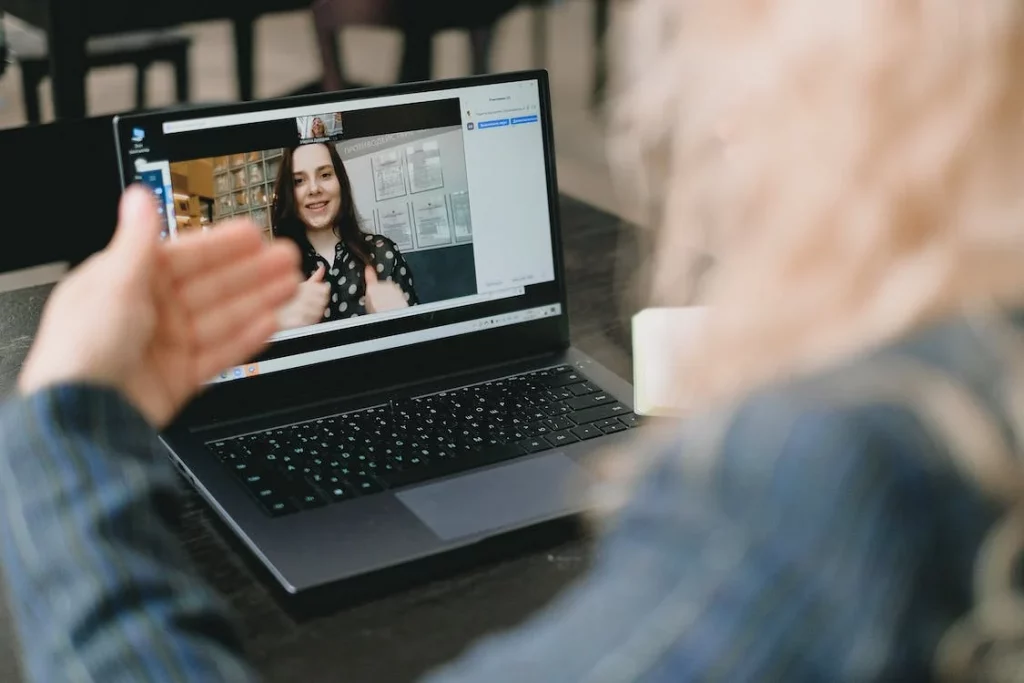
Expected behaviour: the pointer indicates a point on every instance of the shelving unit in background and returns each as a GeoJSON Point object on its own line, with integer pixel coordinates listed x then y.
{"type": "Point", "coordinates": [243, 185]}
{"type": "Point", "coordinates": [192, 183]}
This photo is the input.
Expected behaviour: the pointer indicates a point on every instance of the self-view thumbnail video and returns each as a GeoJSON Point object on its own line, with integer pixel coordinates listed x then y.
{"type": "Point", "coordinates": [320, 127]}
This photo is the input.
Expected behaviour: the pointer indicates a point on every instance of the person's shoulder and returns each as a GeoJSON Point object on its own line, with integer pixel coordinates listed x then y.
{"type": "Point", "coordinates": [969, 354]}
{"type": "Point", "coordinates": [890, 424]}
{"type": "Point", "coordinates": [902, 401]}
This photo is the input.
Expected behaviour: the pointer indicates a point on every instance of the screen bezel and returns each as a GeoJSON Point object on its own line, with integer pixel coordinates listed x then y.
{"type": "Point", "coordinates": [411, 364]}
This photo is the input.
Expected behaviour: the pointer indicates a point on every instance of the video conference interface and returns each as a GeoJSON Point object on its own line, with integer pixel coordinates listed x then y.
{"type": "Point", "coordinates": [422, 212]}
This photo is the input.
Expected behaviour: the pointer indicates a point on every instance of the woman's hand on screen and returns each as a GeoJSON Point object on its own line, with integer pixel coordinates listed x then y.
{"type": "Point", "coordinates": [383, 296]}
{"type": "Point", "coordinates": [308, 305]}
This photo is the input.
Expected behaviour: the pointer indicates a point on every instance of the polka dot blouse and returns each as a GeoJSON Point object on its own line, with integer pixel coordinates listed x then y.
{"type": "Point", "coordinates": [348, 280]}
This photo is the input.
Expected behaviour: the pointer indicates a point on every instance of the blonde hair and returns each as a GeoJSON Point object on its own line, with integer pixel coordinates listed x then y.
{"type": "Point", "coordinates": [854, 167]}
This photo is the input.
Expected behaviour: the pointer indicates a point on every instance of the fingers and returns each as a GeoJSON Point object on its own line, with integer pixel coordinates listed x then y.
{"type": "Point", "coordinates": [312, 313]}
{"type": "Point", "coordinates": [318, 275]}
{"type": "Point", "coordinates": [138, 223]}
{"type": "Point", "coordinates": [132, 252]}
{"type": "Point", "coordinates": [242, 345]}
{"type": "Point", "coordinates": [227, 243]}
{"type": "Point", "coordinates": [306, 307]}
{"type": "Point", "coordinates": [371, 276]}
{"type": "Point", "coordinates": [241, 274]}
{"type": "Point", "coordinates": [314, 295]}
{"type": "Point", "coordinates": [313, 301]}
{"type": "Point", "coordinates": [385, 296]}
{"type": "Point", "coordinates": [323, 291]}
{"type": "Point", "coordinates": [218, 323]}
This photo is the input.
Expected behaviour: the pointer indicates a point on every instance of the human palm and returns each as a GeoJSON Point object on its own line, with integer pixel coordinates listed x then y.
{"type": "Point", "coordinates": [156, 320]}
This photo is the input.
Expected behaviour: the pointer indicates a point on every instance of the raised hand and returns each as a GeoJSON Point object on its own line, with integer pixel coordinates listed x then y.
{"type": "Point", "coordinates": [308, 305]}
{"type": "Point", "coordinates": [156, 320]}
{"type": "Point", "coordinates": [382, 296]}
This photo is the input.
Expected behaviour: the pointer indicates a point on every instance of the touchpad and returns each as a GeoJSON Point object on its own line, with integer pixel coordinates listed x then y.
{"type": "Point", "coordinates": [531, 490]}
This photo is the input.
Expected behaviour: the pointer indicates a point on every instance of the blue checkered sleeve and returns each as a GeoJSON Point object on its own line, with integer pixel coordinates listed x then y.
{"type": "Point", "coordinates": [100, 589]}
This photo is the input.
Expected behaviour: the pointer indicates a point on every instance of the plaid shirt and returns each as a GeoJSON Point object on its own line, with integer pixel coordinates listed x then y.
{"type": "Point", "coordinates": [847, 527]}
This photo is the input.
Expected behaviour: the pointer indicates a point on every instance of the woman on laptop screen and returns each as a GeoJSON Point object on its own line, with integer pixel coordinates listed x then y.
{"type": "Point", "coordinates": [318, 129]}
{"type": "Point", "coordinates": [348, 272]}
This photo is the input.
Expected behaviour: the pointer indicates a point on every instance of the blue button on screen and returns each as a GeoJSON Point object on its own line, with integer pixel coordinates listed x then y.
{"type": "Point", "coordinates": [494, 123]}
{"type": "Point", "coordinates": [524, 119]}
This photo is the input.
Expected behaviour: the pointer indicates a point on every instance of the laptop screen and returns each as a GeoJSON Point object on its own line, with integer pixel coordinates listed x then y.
{"type": "Point", "coordinates": [420, 215]}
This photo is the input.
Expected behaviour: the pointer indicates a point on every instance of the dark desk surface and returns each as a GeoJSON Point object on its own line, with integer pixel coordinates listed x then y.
{"type": "Point", "coordinates": [399, 637]}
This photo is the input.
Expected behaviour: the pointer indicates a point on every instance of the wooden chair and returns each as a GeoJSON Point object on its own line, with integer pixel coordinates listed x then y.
{"type": "Point", "coordinates": [418, 20]}
{"type": "Point", "coordinates": [602, 18]}
{"type": "Point", "coordinates": [141, 49]}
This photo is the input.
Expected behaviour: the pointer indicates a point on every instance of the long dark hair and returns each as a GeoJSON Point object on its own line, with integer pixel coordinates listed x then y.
{"type": "Point", "coordinates": [285, 214]}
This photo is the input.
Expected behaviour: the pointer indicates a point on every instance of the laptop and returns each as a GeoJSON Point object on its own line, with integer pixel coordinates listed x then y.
{"type": "Point", "coordinates": [364, 440]}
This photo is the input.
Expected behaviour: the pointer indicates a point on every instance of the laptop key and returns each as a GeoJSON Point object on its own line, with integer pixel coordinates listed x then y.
{"type": "Point", "coordinates": [386, 466]}
{"type": "Point", "coordinates": [598, 413]}
{"type": "Point", "coordinates": [311, 500]}
{"type": "Point", "coordinates": [411, 461]}
{"type": "Point", "coordinates": [584, 432]}
{"type": "Point", "coordinates": [631, 420]}
{"type": "Point", "coordinates": [535, 445]}
{"type": "Point", "coordinates": [557, 424]}
{"type": "Point", "coordinates": [513, 434]}
{"type": "Point", "coordinates": [339, 493]}
{"type": "Point", "coordinates": [561, 393]}
{"type": "Point", "coordinates": [589, 401]}
{"type": "Point", "coordinates": [278, 508]}
{"type": "Point", "coordinates": [363, 483]}
{"type": "Point", "coordinates": [254, 480]}
{"type": "Point", "coordinates": [582, 389]}
{"type": "Point", "coordinates": [535, 414]}
{"type": "Point", "coordinates": [557, 409]}
{"type": "Point", "coordinates": [561, 438]}
{"type": "Point", "coordinates": [233, 458]}
{"type": "Point", "coordinates": [561, 379]}
{"type": "Point", "coordinates": [220, 449]}
{"type": "Point", "coordinates": [614, 427]}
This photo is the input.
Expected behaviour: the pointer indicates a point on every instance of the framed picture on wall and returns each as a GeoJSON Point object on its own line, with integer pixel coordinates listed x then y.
{"type": "Point", "coordinates": [388, 177]}
{"type": "Point", "coordinates": [462, 224]}
{"type": "Point", "coordinates": [425, 169]}
{"type": "Point", "coordinates": [396, 225]}
{"type": "Point", "coordinates": [430, 218]}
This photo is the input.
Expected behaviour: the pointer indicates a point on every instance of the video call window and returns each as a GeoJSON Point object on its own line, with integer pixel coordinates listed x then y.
{"type": "Point", "coordinates": [397, 204]}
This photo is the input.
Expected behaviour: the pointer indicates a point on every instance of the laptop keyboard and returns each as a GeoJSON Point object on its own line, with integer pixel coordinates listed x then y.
{"type": "Point", "coordinates": [338, 458]}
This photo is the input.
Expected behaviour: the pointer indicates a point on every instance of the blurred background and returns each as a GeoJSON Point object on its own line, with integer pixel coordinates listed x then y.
{"type": "Point", "coordinates": [290, 53]}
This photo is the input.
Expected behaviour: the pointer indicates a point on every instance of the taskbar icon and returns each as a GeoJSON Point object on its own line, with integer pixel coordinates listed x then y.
{"type": "Point", "coordinates": [239, 372]}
